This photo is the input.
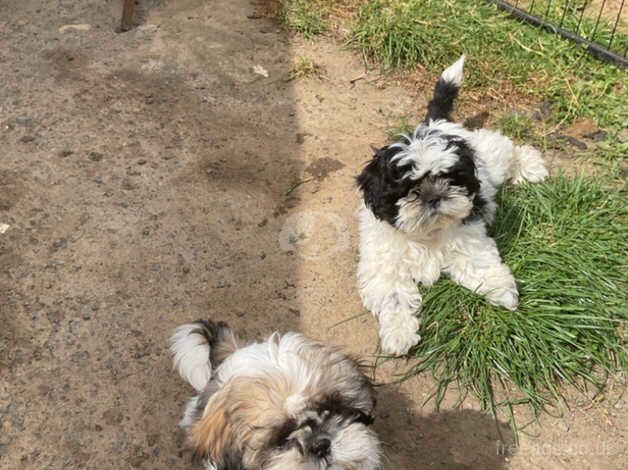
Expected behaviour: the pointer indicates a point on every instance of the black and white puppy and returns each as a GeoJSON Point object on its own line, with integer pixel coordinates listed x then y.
{"type": "Point", "coordinates": [288, 402]}
{"type": "Point", "coordinates": [427, 201]}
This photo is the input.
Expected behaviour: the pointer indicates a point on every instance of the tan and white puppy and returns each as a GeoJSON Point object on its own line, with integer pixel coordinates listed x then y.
{"type": "Point", "coordinates": [286, 403]}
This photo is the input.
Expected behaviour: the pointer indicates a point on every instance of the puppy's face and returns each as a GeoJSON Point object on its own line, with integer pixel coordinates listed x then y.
{"type": "Point", "coordinates": [425, 182]}
{"type": "Point", "coordinates": [326, 438]}
{"type": "Point", "coordinates": [261, 423]}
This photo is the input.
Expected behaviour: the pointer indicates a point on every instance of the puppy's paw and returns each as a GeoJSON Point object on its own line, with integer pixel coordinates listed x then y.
{"type": "Point", "coordinates": [529, 165]}
{"type": "Point", "coordinates": [399, 334]}
{"type": "Point", "coordinates": [507, 297]}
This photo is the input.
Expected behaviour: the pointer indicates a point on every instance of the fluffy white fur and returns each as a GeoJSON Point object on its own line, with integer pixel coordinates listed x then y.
{"type": "Point", "coordinates": [190, 353]}
{"type": "Point", "coordinates": [394, 259]}
{"type": "Point", "coordinates": [291, 370]}
{"type": "Point", "coordinates": [453, 73]}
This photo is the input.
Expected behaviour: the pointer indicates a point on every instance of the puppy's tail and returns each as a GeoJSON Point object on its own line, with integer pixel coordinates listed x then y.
{"type": "Point", "coordinates": [446, 91]}
{"type": "Point", "coordinates": [197, 347]}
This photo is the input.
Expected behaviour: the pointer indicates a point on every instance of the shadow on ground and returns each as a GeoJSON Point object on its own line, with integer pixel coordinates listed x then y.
{"type": "Point", "coordinates": [144, 180]}
{"type": "Point", "coordinates": [449, 440]}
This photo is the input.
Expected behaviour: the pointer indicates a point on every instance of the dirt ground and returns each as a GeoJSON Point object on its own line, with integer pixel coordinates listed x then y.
{"type": "Point", "coordinates": [172, 173]}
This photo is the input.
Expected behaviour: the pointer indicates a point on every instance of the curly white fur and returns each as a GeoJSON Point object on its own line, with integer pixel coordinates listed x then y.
{"type": "Point", "coordinates": [394, 259]}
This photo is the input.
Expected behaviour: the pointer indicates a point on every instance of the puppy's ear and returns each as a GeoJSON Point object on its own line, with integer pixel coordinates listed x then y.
{"type": "Point", "coordinates": [373, 179]}
{"type": "Point", "coordinates": [239, 420]}
{"type": "Point", "coordinates": [213, 435]}
{"type": "Point", "coordinates": [381, 182]}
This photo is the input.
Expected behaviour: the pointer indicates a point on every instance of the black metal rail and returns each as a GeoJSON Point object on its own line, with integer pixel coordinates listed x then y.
{"type": "Point", "coordinates": [601, 50]}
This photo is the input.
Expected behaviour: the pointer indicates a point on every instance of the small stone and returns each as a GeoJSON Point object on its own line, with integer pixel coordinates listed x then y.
{"type": "Point", "coordinates": [95, 156]}
{"type": "Point", "coordinates": [558, 140]}
{"type": "Point", "coordinates": [4, 228]}
{"type": "Point", "coordinates": [23, 121]}
{"type": "Point", "coordinates": [75, 27]}
{"type": "Point", "coordinates": [59, 244]}
{"type": "Point", "coordinates": [148, 28]}
{"type": "Point", "coordinates": [86, 314]}
{"type": "Point", "coordinates": [544, 110]}
{"type": "Point", "coordinates": [128, 185]}
{"type": "Point", "coordinates": [259, 70]}
{"type": "Point", "coordinates": [65, 153]}
{"type": "Point", "coordinates": [596, 136]}
{"type": "Point", "coordinates": [141, 162]}
{"type": "Point", "coordinates": [27, 138]}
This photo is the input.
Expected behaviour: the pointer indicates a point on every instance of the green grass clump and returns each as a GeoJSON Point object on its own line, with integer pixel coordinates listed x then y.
{"type": "Point", "coordinates": [401, 125]}
{"type": "Point", "coordinates": [401, 33]}
{"type": "Point", "coordinates": [304, 67]}
{"type": "Point", "coordinates": [566, 241]}
{"type": "Point", "coordinates": [516, 125]}
{"type": "Point", "coordinates": [308, 17]}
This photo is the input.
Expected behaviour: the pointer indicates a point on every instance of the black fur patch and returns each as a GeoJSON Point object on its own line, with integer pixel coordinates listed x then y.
{"type": "Point", "coordinates": [382, 181]}
{"type": "Point", "coordinates": [280, 435]}
{"type": "Point", "coordinates": [230, 462]}
{"type": "Point", "coordinates": [442, 103]}
{"type": "Point", "coordinates": [464, 174]}
{"type": "Point", "coordinates": [211, 330]}
{"type": "Point", "coordinates": [382, 184]}
{"type": "Point", "coordinates": [337, 406]}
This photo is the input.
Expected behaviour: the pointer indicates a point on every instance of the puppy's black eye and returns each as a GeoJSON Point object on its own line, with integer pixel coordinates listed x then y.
{"type": "Point", "coordinates": [310, 422]}
{"type": "Point", "coordinates": [365, 419]}
{"type": "Point", "coordinates": [280, 436]}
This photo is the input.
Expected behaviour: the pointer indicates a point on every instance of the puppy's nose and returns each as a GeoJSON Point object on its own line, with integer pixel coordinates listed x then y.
{"type": "Point", "coordinates": [320, 447]}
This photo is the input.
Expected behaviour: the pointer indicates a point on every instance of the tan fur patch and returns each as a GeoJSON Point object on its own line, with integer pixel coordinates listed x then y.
{"type": "Point", "coordinates": [240, 418]}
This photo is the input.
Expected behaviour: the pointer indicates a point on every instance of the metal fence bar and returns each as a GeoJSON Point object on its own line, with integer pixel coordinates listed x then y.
{"type": "Point", "coordinates": [562, 18]}
{"type": "Point", "coordinates": [597, 50]}
{"type": "Point", "coordinates": [599, 17]}
{"type": "Point", "coordinates": [610, 41]}
{"type": "Point", "coordinates": [584, 7]}
{"type": "Point", "coordinates": [547, 10]}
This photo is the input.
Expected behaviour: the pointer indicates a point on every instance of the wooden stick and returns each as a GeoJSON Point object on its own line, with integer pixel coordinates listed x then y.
{"type": "Point", "coordinates": [127, 15]}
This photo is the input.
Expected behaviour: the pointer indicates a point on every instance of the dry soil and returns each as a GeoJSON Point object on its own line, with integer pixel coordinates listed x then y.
{"type": "Point", "coordinates": [172, 173]}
